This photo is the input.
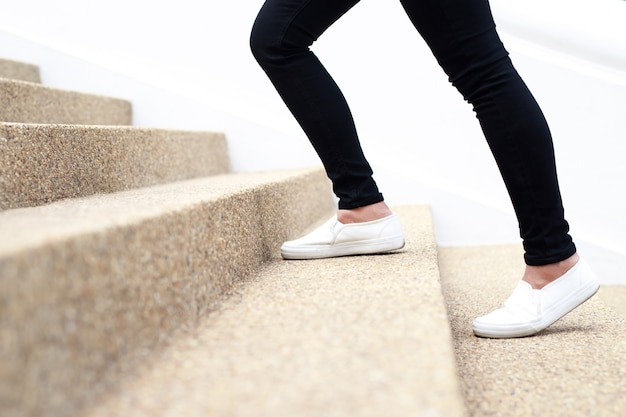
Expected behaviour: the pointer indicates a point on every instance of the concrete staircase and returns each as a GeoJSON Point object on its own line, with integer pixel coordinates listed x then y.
{"type": "Point", "coordinates": [140, 277]}
{"type": "Point", "coordinates": [113, 238]}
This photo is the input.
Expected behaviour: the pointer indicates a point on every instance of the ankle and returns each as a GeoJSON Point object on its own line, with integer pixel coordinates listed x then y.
{"type": "Point", "coordinates": [364, 214]}
{"type": "Point", "coordinates": [540, 276]}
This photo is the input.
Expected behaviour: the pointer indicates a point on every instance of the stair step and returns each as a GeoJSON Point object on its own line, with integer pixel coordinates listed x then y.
{"type": "Point", "coordinates": [40, 164]}
{"type": "Point", "coordinates": [22, 71]}
{"type": "Point", "coordinates": [354, 336]}
{"type": "Point", "coordinates": [27, 102]}
{"type": "Point", "coordinates": [576, 367]}
{"type": "Point", "coordinates": [92, 286]}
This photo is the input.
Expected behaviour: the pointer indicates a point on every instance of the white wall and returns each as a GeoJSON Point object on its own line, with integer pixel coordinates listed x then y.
{"type": "Point", "coordinates": [422, 139]}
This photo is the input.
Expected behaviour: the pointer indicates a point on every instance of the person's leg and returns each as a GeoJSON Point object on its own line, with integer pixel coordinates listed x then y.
{"type": "Point", "coordinates": [280, 41]}
{"type": "Point", "coordinates": [281, 38]}
{"type": "Point", "coordinates": [462, 36]}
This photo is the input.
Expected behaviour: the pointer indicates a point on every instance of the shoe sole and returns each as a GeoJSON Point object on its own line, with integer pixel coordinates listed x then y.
{"type": "Point", "coordinates": [528, 329]}
{"type": "Point", "coordinates": [362, 247]}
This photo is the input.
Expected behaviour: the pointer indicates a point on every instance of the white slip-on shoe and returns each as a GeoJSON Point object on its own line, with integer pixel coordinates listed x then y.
{"type": "Point", "coordinates": [528, 311]}
{"type": "Point", "coordinates": [334, 238]}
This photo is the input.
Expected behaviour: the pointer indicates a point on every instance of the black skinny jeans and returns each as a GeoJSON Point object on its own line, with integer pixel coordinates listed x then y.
{"type": "Point", "coordinates": [462, 36]}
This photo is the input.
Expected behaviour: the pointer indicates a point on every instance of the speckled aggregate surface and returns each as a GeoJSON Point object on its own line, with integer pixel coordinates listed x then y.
{"type": "Point", "coordinates": [26, 102]}
{"type": "Point", "coordinates": [40, 163]}
{"type": "Point", "coordinates": [575, 368]}
{"type": "Point", "coordinates": [614, 296]}
{"type": "Point", "coordinates": [354, 336]}
{"type": "Point", "coordinates": [92, 287]}
{"type": "Point", "coordinates": [19, 71]}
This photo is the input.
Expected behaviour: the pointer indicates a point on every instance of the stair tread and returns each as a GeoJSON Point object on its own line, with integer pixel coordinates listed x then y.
{"type": "Point", "coordinates": [353, 336]}
{"type": "Point", "coordinates": [576, 367]}
{"type": "Point", "coordinates": [28, 102]}
{"type": "Point", "coordinates": [43, 163]}
{"type": "Point", "coordinates": [16, 70]}
{"type": "Point", "coordinates": [613, 296]}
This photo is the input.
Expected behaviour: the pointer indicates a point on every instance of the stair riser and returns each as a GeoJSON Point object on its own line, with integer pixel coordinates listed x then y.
{"type": "Point", "coordinates": [75, 314]}
{"type": "Point", "coordinates": [25, 102]}
{"type": "Point", "coordinates": [40, 164]}
{"type": "Point", "coordinates": [19, 71]}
